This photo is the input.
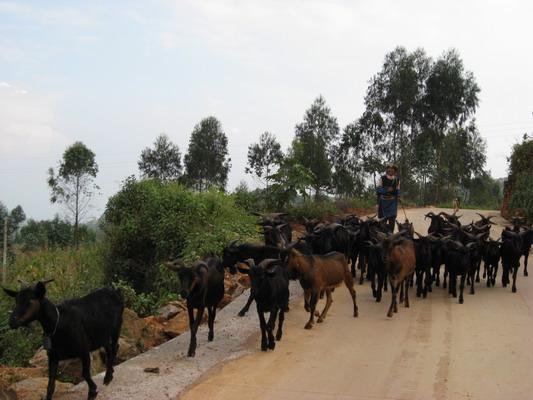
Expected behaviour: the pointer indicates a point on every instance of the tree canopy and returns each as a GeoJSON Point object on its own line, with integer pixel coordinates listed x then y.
{"type": "Point", "coordinates": [73, 185]}
{"type": "Point", "coordinates": [264, 156]}
{"type": "Point", "coordinates": [163, 162]}
{"type": "Point", "coordinates": [314, 142]}
{"type": "Point", "coordinates": [206, 162]}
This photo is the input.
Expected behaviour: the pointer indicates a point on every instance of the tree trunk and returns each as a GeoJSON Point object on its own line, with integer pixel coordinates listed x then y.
{"type": "Point", "coordinates": [77, 212]}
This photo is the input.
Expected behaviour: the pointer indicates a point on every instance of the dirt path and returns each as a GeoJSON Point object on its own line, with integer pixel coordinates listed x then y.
{"type": "Point", "coordinates": [436, 349]}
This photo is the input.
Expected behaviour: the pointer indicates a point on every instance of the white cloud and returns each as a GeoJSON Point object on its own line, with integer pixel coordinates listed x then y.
{"type": "Point", "coordinates": [27, 123]}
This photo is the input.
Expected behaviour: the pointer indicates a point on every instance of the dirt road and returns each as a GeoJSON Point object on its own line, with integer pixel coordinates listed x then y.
{"type": "Point", "coordinates": [436, 349]}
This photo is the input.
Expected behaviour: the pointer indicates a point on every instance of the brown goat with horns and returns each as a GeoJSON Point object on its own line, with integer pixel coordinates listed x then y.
{"type": "Point", "coordinates": [319, 273]}
{"type": "Point", "coordinates": [400, 262]}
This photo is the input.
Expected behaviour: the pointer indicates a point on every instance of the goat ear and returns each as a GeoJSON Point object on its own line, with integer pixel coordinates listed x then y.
{"type": "Point", "coordinates": [10, 293]}
{"type": "Point", "coordinates": [243, 267]}
{"type": "Point", "coordinates": [40, 290]}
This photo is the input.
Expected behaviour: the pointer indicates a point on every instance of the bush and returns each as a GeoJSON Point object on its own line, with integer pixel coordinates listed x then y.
{"type": "Point", "coordinates": [148, 222]}
{"type": "Point", "coordinates": [51, 234]}
{"type": "Point", "coordinates": [313, 209]}
{"type": "Point", "coordinates": [144, 304]}
{"type": "Point", "coordinates": [522, 197]}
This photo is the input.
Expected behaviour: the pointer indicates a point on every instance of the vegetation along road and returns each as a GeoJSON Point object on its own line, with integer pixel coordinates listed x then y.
{"type": "Point", "coordinates": [436, 349]}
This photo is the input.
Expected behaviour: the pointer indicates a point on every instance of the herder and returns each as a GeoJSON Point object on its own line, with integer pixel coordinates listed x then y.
{"type": "Point", "coordinates": [388, 195]}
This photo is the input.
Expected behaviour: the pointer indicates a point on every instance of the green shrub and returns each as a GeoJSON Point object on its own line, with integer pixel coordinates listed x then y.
{"type": "Point", "coordinates": [144, 304]}
{"type": "Point", "coordinates": [148, 222]}
{"type": "Point", "coordinates": [522, 197]}
{"type": "Point", "coordinates": [313, 209]}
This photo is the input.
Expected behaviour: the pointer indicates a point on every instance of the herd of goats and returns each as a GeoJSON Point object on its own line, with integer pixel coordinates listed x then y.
{"type": "Point", "coordinates": [327, 255]}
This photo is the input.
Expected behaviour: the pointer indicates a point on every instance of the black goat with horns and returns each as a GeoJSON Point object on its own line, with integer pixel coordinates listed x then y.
{"type": "Point", "coordinates": [73, 328]}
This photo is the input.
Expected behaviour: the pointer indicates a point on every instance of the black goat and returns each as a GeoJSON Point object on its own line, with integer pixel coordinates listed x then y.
{"type": "Point", "coordinates": [234, 253]}
{"type": "Point", "coordinates": [73, 328]}
{"type": "Point", "coordinates": [527, 241]}
{"type": "Point", "coordinates": [437, 223]}
{"type": "Point", "coordinates": [202, 284]}
{"type": "Point", "coordinates": [423, 265]}
{"type": "Point", "coordinates": [271, 289]}
{"type": "Point", "coordinates": [436, 258]}
{"type": "Point", "coordinates": [491, 257]}
{"type": "Point", "coordinates": [277, 235]}
{"type": "Point", "coordinates": [376, 269]}
{"type": "Point", "coordinates": [458, 263]}
{"type": "Point", "coordinates": [511, 250]}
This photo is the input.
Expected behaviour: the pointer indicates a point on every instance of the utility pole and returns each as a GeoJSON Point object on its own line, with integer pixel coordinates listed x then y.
{"type": "Point", "coordinates": [4, 260]}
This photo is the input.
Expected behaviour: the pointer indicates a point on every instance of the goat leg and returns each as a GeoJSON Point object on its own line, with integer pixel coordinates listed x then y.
{"type": "Point", "coordinates": [394, 290]}
{"type": "Point", "coordinates": [380, 287]}
{"type": "Point", "coordinates": [53, 363]}
{"type": "Point", "coordinates": [86, 373]}
{"type": "Point", "coordinates": [326, 307]}
{"type": "Point", "coordinates": [270, 327]}
{"type": "Point", "coordinates": [312, 306]}
{"type": "Point", "coordinates": [211, 314]}
{"type": "Point", "coordinates": [515, 271]}
{"type": "Point", "coordinates": [307, 300]}
{"type": "Point", "coordinates": [194, 323]}
{"type": "Point", "coordinates": [406, 296]}
{"type": "Point", "coordinates": [281, 318]}
{"type": "Point", "coordinates": [263, 326]}
{"type": "Point", "coordinates": [461, 288]}
{"type": "Point", "coordinates": [526, 256]}
{"type": "Point", "coordinates": [109, 359]}
{"type": "Point", "coordinates": [246, 307]}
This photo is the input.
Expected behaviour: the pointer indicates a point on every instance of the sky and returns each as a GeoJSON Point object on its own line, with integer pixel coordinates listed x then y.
{"type": "Point", "coordinates": [114, 75]}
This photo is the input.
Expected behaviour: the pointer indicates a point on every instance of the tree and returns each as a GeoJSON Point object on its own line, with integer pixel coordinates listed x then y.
{"type": "Point", "coordinates": [519, 185]}
{"type": "Point", "coordinates": [264, 156]}
{"type": "Point", "coordinates": [412, 104]}
{"type": "Point", "coordinates": [15, 218]}
{"type": "Point", "coordinates": [206, 162]}
{"type": "Point", "coordinates": [73, 185]}
{"type": "Point", "coordinates": [348, 161]}
{"type": "Point", "coordinates": [163, 162]}
{"type": "Point", "coordinates": [291, 179]}
{"type": "Point", "coordinates": [314, 141]}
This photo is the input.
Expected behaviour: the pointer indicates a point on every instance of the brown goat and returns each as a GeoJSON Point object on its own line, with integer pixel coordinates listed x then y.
{"type": "Point", "coordinates": [319, 273]}
{"type": "Point", "coordinates": [400, 262]}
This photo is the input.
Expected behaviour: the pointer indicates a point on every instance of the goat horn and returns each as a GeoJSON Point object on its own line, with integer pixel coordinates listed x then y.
{"type": "Point", "coordinates": [174, 265]}
{"type": "Point", "coordinates": [48, 281]}
{"type": "Point", "coordinates": [233, 243]}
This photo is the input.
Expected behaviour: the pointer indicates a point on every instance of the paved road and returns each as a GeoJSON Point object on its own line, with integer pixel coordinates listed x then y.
{"type": "Point", "coordinates": [436, 349]}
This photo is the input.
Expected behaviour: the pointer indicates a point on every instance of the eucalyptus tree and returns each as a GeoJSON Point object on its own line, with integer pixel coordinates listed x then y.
{"type": "Point", "coordinates": [206, 162]}
{"type": "Point", "coordinates": [314, 142]}
{"type": "Point", "coordinates": [163, 162]}
{"type": "Point", "coordinates": [73, 184]}
{"type": "Point", "coordinates": [264, 156]}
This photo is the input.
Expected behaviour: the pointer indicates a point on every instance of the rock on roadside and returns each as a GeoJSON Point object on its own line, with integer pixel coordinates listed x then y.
{"type": "Point", "coordinates": [35, 388]}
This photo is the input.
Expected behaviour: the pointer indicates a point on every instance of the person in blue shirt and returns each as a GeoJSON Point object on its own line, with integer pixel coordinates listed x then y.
{"type": "Point", "coordinates": [388, 191]}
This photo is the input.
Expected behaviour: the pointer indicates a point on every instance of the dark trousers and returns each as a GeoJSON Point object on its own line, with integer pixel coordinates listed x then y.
{"type": "Point", "coordinates": [391, 222]}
